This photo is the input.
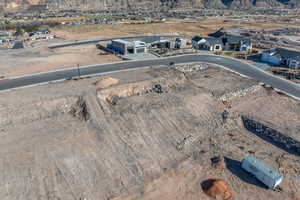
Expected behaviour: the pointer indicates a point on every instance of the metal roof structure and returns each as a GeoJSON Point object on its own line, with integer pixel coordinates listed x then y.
{"type": "Point", "coordinates": [263, 167]}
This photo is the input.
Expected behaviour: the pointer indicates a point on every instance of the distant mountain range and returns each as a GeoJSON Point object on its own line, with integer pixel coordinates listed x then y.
{"type": "Point", "coordinates": [127, 4]}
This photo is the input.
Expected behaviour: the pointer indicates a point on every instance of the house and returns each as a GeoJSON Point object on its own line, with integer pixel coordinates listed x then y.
{"type": "Point", "coordinates": [262, 172]}
{"type": "Point", "coordinates": [125, 47]}
{"type": "Point", "coordinates": [41, 35]}
{"type": "Point", "coordinates": [198, 42]}
{"type": "Point", "coordinates": [5, 34]}
{"type": "Point", "coordinates": [164, 44]}
{"type": "Point", "coordinates": [151, 40]}
{"type": "Point", "coordinates": [210, 44]}
{"type": "Point", "coordinates": [213, 44]}
{"type": "Point", "coordinates": [181, 43]}
{"type": "Point", "coordinates": [280, 56]}
{"type": "Point", "coordinates": [224, 43]}
{"type": "Point", "coordinates": [237, 43]}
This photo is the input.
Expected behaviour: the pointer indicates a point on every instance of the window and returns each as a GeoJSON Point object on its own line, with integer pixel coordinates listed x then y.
{"type": "Point", "coordinates": [217, 47]}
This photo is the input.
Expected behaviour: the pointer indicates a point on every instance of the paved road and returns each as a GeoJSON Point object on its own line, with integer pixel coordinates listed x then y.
{"type": "Point", "coordinates": [285, 86]}
{"type": "Point", "coordinates": [81, 42]}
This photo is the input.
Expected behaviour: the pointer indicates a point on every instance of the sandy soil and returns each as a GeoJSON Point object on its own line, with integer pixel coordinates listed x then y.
{"type": "Point", "coordinates": [41, 59]}
{"type": "Point", "coordinates": [192, 28]}
{"type": "Point", "coordinates": [67, 141]}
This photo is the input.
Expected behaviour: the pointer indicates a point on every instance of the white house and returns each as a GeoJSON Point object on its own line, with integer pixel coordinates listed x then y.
{"type": "Point", "coordinates": [125, 47]}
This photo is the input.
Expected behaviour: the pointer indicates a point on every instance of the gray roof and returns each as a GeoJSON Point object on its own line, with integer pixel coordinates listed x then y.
{"type": "Point", "coordinates": [288, 53]}
{"type": "Point", "coordinates": [151, 39]}
{"type": "Point", "coordinates": [214, 41]}
{"type": "Point", "coordinates": [237, 39]}
{"type": "Point", "coordinates": [197, 38]}
{"type": "Point", "coordinates": [285, 53]}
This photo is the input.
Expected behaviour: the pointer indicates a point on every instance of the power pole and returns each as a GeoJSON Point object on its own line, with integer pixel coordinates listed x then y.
{"type": "Point", "coordinates": [78, 70]}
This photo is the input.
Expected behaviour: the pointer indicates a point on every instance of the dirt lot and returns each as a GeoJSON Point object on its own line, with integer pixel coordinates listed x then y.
{"type": "Point", "coordinates": [40, 59]}
{"type": "Point", "coordinates": [145, 134]}
{"type": "Point", "coordinates": [186, 27]}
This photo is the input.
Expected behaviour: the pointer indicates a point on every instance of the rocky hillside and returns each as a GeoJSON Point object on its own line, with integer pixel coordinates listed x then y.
{"type": "Point", "coordinates": [132, 4]}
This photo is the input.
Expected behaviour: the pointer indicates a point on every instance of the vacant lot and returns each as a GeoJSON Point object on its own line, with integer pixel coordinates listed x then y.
{"type": "Point", "coordinates": [185, 27]}
{"type": "Point", "coordinates": [40, 59]}
{"type": "Point", "coordinates": [145, 134]}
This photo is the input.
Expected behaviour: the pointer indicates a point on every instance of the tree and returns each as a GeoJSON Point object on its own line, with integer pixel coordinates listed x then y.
{"type": "Point", "coordinates": [19, 31]}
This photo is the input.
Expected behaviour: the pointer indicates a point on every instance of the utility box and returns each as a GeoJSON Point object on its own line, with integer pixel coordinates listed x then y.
{"type": "Point", "coordinates": [262, 172]}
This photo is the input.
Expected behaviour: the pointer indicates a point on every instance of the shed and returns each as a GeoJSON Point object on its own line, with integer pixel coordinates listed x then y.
{"type": "Point", "coordinates": [262, 172]}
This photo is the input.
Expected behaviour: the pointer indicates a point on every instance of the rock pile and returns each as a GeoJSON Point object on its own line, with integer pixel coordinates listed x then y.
{"type": "Point", "coordinates": [240, 93]}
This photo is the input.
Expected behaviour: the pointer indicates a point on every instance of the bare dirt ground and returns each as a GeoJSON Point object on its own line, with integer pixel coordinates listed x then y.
{"type": "Point", "coordinates": [145, 134]}
{"type": "Point", "coordinates": [185, 27]}
{"type": "Point", "coordinates": [41, 59]}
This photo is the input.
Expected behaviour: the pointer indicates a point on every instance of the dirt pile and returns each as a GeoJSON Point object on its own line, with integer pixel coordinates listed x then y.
{"type": "Point", "coordinates": [112, 95]}
{"type": "Point", "coordinates": [218, 189]}
{"type": "Point", "coordinates": [106, 82]}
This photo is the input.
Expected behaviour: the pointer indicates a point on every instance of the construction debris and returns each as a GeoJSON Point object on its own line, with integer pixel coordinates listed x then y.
{"type": "Point", "coordinates": [218, 162]}
{"type": "Point", "coordinates": [80, 110]}
{"type": "Point", "coordinates": [275, 137]}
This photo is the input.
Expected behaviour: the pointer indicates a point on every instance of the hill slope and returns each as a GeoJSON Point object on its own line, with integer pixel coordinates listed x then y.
{"type": "Point", "coordinates": [127, 4]}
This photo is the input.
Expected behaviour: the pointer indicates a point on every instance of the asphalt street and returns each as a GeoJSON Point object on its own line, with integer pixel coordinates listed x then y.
{"type": "Point", "coordinates": [284, 86]}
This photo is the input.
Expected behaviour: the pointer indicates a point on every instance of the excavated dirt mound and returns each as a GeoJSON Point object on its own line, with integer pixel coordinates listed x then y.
{"type": "Point", "coordinates": [218, 189]}
{"type": "Point", "coordinates": [106, 82]}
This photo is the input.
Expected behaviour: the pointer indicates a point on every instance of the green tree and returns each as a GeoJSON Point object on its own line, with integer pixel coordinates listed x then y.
{"type": "Point", "coordinates": [19, 31]}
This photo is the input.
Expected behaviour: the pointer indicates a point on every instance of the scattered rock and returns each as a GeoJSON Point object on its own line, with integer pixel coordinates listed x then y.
{"type": "Point", "coordinates": [192, 67]}
{"type": "Point", "coordinates": [230, 96]}
{"type": "Point", "coordinates": [112, 99]}
{"type": "Point", "coordinates": [218, 189]}
{"type": "Point", "coordinates": [218, 162]}
{"type": "Point", "coordinates": [157, 88]}
{"type": "Point", "coordinates": [225, 115]}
